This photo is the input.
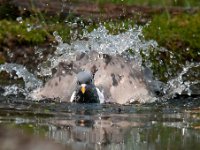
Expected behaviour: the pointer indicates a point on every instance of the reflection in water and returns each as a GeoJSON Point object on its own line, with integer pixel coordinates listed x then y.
{"type": "Point", "coordinates": [85, 127]}
{"type": "Point", "coordinates": [127, 131]}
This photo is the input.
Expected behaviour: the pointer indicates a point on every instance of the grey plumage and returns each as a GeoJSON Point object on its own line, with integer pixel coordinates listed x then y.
{"type": "Point", "coordinates": [85, 77]}
{"type": "Point", "coordinates": [119, 80]}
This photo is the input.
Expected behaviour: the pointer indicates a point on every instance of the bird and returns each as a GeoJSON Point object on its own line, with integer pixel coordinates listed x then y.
{"type": "Point", "coordinates": [112, 77]}
{"type": "Point", "coordinates": [86, 91]}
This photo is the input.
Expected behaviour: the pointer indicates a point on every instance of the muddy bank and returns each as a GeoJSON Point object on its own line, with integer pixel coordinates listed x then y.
{"type": "Point", "coordinates": [94, 11]}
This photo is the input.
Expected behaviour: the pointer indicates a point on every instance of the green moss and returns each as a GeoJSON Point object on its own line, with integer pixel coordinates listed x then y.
{"type": "Point", "coordinates": [183, 28]}
{"type": "Point", "coordinates": [19, 32]}
{"type": "Point", "coordinates": [180, 34]}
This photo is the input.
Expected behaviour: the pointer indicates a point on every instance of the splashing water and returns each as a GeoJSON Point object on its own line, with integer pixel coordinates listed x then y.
{"type": "Point", "coordinates": [101, 41]}
{"type": "Point", "coordinates": [104, 43]}
{"type": "Point", "coordinates": [31, 82]}
{"type": "Point", "coordinates": [178, 85]}
{"type": "Point", "coordinates": [14, 90]}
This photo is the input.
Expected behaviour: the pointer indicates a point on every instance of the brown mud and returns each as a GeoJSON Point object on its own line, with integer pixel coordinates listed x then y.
{"type": "Point", "coordinates": [96, 11]}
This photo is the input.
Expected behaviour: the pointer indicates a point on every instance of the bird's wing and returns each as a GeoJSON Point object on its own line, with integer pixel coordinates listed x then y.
{"type": "Point", "coordinates": [61, 85]}
{"type": "Point", "coordinates": [120, 82]}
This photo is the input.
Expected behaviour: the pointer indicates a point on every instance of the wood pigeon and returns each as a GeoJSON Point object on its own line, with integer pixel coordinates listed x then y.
{"type": "Point", "coordinates": [83, 77]}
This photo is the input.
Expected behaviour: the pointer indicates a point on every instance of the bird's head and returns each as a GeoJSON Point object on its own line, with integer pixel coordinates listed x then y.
{"type": "Point", "coordinates": [84, 79]}
{"type": "Point", "coordinates": [86, 92]}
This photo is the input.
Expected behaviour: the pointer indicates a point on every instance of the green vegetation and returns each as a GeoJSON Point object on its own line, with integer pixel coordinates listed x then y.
{"type": "Point", "coordinates": [14, 31]}
{"type": "Point", "coordinates": [28, 31]}
{"type": "Point", "coordinates": [180, 35]}
{"type": "Point", "coordinates": [178, 32]}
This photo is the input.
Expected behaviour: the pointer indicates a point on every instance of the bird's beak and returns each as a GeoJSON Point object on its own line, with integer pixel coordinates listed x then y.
{"type": "Point", "coordinates": [83, 89]}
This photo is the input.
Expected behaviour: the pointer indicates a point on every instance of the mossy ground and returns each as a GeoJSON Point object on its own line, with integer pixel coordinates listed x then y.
{"type": "Point", "coordinates": [180, 34]}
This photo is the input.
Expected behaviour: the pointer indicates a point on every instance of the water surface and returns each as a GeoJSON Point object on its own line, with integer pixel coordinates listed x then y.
{"type": "Point", "coordinates": [168, 125]}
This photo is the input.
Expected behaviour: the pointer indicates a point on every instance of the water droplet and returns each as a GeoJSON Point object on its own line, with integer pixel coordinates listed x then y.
{"type": "Point", "coordinates": [57, 37]}
{"type": "Point", "coordinates": [166, 75]}
{"type": "Point", "coordinates": [74, 25]}
{"type": "Point", "coordinates": [29, 27]}
{"type": "Point", "coordinates": [19, 19]}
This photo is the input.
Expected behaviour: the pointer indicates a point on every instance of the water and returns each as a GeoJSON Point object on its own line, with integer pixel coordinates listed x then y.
{"type": "Point", "coordinates": [169, 122]}
{"type": "Point", "coordinates": [108, 126]}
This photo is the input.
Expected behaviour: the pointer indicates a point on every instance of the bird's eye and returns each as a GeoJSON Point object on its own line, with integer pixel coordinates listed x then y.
{"type": "Point", "coordinates": [89, 82]}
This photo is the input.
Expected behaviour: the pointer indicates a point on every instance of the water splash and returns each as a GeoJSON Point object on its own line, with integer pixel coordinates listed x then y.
{"type": "Point", "coordinates": [31, 82]}
{"type": "Point", "coordinates": [178, 85]}
{"type": "Point", "coordinates": [19, 19]}
{"type": "Point", "coordinates": [14, 90]}
{"type": "Point", "coordinates": [101, 41]}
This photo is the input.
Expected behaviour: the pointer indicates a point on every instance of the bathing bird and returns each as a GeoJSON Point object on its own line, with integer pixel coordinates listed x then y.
{"type": "Point", "coordinates": [92, 78]}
